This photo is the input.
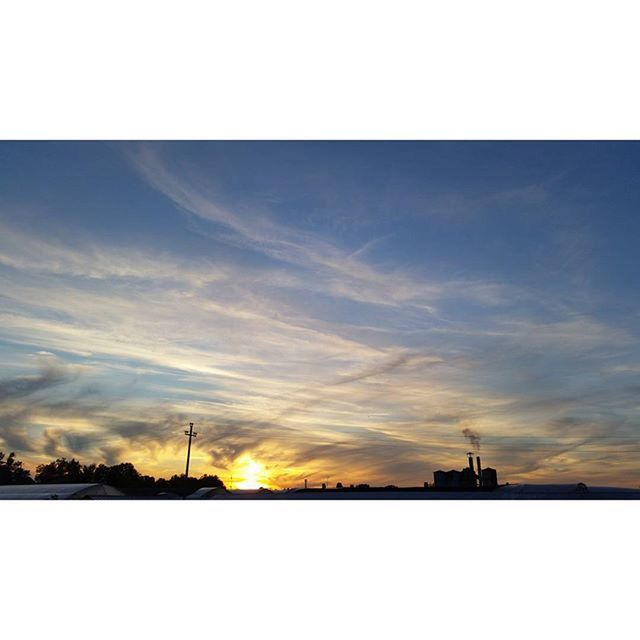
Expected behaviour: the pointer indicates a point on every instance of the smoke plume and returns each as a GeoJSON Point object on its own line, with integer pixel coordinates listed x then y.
{"type": "Point", "coordinates": [473, 437]}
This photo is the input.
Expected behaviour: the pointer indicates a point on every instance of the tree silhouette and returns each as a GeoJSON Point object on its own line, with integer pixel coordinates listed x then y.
{"type": "Point", "coordinates": [182, 485]}
{"type": "Point", "coordinates": [62, 471]}
{"type": "Point", "coordinates": [123, 476]}
{"type": "Point", "coordinates": [210, 481]}
{"type": "Point", "coordinates": [12, 471]}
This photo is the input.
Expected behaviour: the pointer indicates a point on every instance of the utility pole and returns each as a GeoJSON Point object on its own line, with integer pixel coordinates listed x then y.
{"type": "Point", "coordinates": [191, 435]}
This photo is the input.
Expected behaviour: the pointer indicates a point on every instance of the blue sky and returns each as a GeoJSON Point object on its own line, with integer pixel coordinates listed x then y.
{"type": "Point", "coordinates": [338, 311]}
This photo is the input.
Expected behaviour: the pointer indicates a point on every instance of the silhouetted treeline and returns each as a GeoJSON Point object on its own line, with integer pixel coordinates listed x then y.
{"type": "Point", "coordinates": [12, 471]}
{"type": "Point", "coordinates": [123, 476]}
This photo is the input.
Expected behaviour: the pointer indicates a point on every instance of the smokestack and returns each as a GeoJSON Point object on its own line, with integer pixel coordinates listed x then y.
{"type": "Point", "coordinates": [305, 483]}
{"type": "Point", "coordinates": [479, 470]}
{"type": "Point", "coordinates": [470, 454]}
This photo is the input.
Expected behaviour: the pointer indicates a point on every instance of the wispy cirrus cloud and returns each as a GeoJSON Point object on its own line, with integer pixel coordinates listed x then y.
{"type": "Point", "coordinates": [343, 272]}
{"type": "Point", "coordinates": [314, 358]}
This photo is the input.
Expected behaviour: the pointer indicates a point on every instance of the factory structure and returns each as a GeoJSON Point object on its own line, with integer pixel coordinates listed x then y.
{"type": "Point", "coordinates": [468, 478]}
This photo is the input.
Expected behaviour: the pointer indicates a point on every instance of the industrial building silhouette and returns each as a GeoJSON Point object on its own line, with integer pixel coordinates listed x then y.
{"type": "Point", "coordinates": [468, 478]}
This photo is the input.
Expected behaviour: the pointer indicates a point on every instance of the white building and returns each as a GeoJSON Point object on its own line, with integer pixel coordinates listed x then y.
{"type": "Point", "coordinates": [57, 491]}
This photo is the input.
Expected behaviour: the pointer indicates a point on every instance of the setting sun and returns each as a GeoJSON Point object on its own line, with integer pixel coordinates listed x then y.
{"type": "Point", "coordinates": [251, 474]}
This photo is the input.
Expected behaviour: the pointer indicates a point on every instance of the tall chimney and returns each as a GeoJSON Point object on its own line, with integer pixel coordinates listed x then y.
{"type": "Point", "coordinates": [470, 454]}
{"type": "Point", "coordinates": [479, 470]}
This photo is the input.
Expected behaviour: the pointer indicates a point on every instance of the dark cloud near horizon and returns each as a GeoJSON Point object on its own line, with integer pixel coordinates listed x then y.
{"type": "Point", "coordinates": [50, 443]}
{"type": "Point", "coordinates": [232, 438]}
{"type": "Point", "coordinates": [19, 387]}
{"type": "Point", "coordinates": [14, 433]}
{"type": "Point", "coordinates": [14, 415]}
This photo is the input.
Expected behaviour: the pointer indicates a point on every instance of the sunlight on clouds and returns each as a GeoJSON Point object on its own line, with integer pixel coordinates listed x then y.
{"type": "Point", "coordinates": [249, 474]}
{"type": "Point", "coordinates": [295, 355]}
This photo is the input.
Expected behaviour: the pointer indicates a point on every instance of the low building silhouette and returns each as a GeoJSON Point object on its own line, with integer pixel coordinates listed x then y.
{"type": "Point", "coordinates": [489, 478]}
{"type": "Point", "coordinates": [68, 491]}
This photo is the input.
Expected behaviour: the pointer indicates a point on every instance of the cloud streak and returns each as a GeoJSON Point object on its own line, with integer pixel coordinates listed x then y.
{"type": "Point", "coordinates": [300, 351]}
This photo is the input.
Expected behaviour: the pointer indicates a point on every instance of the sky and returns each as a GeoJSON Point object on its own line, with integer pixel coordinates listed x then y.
{"type": "Point", "coordinates": [331, 311]}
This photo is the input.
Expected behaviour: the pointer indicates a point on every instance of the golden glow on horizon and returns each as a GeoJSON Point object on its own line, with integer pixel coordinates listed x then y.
{"type": "Point", "coordinates": [250, 474]}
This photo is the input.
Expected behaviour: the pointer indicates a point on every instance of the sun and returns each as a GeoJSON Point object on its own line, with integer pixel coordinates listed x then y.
{"type": "Point", "coordinates": [250, 474]}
